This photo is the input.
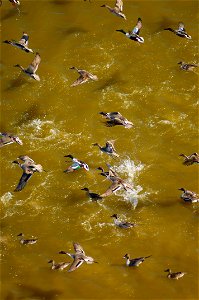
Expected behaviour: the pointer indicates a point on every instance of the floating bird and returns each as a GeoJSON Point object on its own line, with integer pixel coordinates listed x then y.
{"type": "Point", "coordinates": [92, 196]}
{"type": "Point", "coordinates": [187, 67]}
{"type": "Point", "coordinates": [7, 138]}
{"type": "Point", "coordinates": [135, 262]}
{"type": "Point", "coordinates": [117, 10]}
{"type": "Point", "coordinates": [59, 266]}
{"type": "Point", "coordinates": [84, 76]}
{"type": "Point", "coordinates": [176, 275]}
{"type": "Point", "coordinates": [189, 196]}
{"type": "Point", "coordinates": [122, 224]}
{"type": "Point", "coordinates": [22, 44]}
{"type": "Point", "coordinates": [180, 31]}
{"type": "Point", "coordinates": [134, 34]}
{"type": "Point", "coordinates": [78, 258]}
{"type": "Point", "coordinates": [15, 2]}
{"type": "Point", "coordinates": [190, 159]}
{"type": "Point", "coordinates": [115, 118]}
{"type": "Point", "coordinates": [26, 241]}
{"type": "Point", "coordinates": [77, 164]}
{"type": "Point", "coordinates": [32, 68]}
{"type": "Point", "coordinates": [117, 184]}
{"type": "Point", "coordinates": [29, 168]}
{"type": "Point", "coordinates": [108, 148]}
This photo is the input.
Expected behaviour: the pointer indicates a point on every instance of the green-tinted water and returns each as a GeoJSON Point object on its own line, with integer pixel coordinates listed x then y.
{"type": "Point", "coordinates": [145, 84]}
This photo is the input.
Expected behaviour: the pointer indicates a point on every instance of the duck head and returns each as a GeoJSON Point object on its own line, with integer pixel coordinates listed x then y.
{"type": "Point", "coordinates": [114, 216]}
{"type": "Point", "coordinates": [69, 155]}
{"type": "Point", "coordinates": [182, 189]}
{"type": "Point", "coordinates": [126, 256]}
{"type": "Point", "coordinates": [85, 189]}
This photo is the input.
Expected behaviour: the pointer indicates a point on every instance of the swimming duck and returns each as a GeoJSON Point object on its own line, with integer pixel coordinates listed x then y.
{"type": "Point", "coordinates": [108, 148]}
{"type": "Point", "coordinates": [117, 10]}
{"type": "Point", "coordinates": [135, 262]}
{"type": "Point", "coordinates": [78, 257]}
{"type": "Point", "coordinates": [32, 68]}
{"type": "Point", "coordinates": [187, 67]}
{"type": "Point", "coordinates": [29, 168]}
{"type": "Point", "coordinates": [189, 196]}
{"type": "Point", "coordinates": [15, 2]}
{"type": "Point", "coordinates": [7, 138]}
{"type": "Point", "coordinates": [84, 76]}
{"type": "Point", "coordinates": [92, 196]}
{"type": "Point", "coordinates": [190, 159]}
{"type": "Point", "coordinates": [180, 31]}
{"type": "Point", "coordinates": [77, 164]}
{"type": "Point", "coordinates": [122, 224]}
{"type": "Point", "coordinates": [22, 44]}
{"type": "Point", "coordinates": [115, 118]}
{"type": "Point", "coordinates": [25, 241]}
{"type": "Point", "coordinates": [175, 275]}
{"type": "Point", "coordinates": [134, 34]}
{"type": "Point", "coordinates": [59, 266]}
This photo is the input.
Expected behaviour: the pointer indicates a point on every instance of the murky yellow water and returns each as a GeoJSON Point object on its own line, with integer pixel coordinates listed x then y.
{"type": "Point", "coordinates": [145, 84]}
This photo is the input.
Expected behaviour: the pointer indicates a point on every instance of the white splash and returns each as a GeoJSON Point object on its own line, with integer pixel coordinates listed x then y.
{"type": "Point", "coordinates": [6, 198]}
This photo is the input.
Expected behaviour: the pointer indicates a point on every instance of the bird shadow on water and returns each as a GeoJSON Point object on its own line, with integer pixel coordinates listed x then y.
{"type": "Point", "coordinates": [72, 30]}
{"type": "Point", "coordinates": [33, 112]}
{"type": "Point", "coordinates": [16, 83]}
{"type": "Point", "coordinates": [61, 2]}
{"type": "Point", "coordinates": [30, 292]}
{"type": "Point", "coordinates": [115, 78]}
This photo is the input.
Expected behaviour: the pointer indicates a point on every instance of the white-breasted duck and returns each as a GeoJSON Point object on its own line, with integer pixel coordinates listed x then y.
{"type": "Point", "coordinates": [122, 224]}
{"type": "Point", "coordinates": [26, 241]}
{"type": "Point", "coordinates": [59, 266]}
{"type": "Point", "coordinates": [7, 138]}
{"type": "Point", "coordinates": [78, 257]}
{"type": "Point", "coordinates": [134, 262]}
{"type": "Point", "coordinates": [175, 275]}
{"type": "Point", "coordinates": [190, 159]}
{"type": "Point", "coordinates": [92, 196]}
{"type": "Point", "coordinates": [181, 31]}
{"type": "Point", "coordinates": [187, 67]}
{"type": "Point", "coordinates": [134, 34]}
{"type": "Point", "coordinates": [32, 68]}
{"type": "Point", "coordinates": [84, 76]}
{"type": "Point", "coordinates": [115, 118]}
{"type": "Point", "coordinates": [108, 148]}
{"type": "Point", "coordinates": [117, 10]}
{"type": "Point", "coordinates": [29, 168]}
{"type": "Point", "coordinates": [22, 44]}
{"type": "Point", "coordinates": [189, 196]}
{"type": "Point", "coordinates": [77, 164]}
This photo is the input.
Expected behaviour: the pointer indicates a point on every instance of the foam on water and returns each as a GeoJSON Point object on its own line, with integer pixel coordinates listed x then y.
{"type": "Point", "coordinates": [5, 199]}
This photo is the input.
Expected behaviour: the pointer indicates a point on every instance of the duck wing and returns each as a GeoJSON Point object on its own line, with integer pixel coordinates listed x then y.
{"type": "Point", "coordinates": [136, 29]}
{"type": "Point", "coordinates": [181, 27]}
{"type": "Point", "coordinates": [26, 159]}
{"type": "Point", "coordinates": [119, 5]}
{"type": "Point", "coordinates": [81, 79]}
{"type": "Point", "coordinates": [24, 40]}
{"type": "Point", "coordinates": [22, 182]}
{"type": "Point", "coordinates": [5, 139]}
{"type": "Point", "coordinates": [115, 186]}
{"type": "Point", "coordinates": [32, 68]}
{"type": "Point", "coordinates": [76, 264]}
{"type": "Point", "coordinates": [78, 249]}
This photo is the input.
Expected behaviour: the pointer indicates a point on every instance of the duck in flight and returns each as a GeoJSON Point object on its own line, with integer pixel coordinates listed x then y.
{"type": "Point", "coordinates": [189, 196]}
{"type": "Point", "coordinates": [22, 44]}
{"type": "Point", "coordinates": [77, 164]}
{"type": "Point", "coordinates": [84, 77]}
{"type": "Point", "coordinates": [7, 138]}
{"type": "Point", "coordinates": [115, 118]}
{"type": "Point", "coordinates": [15, 2]}
{"type": "Point", "coordinates": [187, 67]}
{"type": "Point", "coordinates": [26, 241]}
{"type": "Point", "coordinates": [181, 31]}
{"type": "Point", "coordinates": [122, 224]}
{"type": "Point", "coordinates": [29, 168]}
{"type": "Point", "coordinates": [78, 257]}
{"type": "Point", "coordinates": [108, 148]}
{"type": "Point", "coordinates": [135, 262]}
{"type": "Point", "coordinates": [92, 196]}
{"type": "Point", "coordinates": [59, 266]}
{"type": "Point", "coordinates": [110, 174]}
{"type": "Point", "coordinates": [117, 9]}
{"type": "Point", "coordinates": [134, 34]}
{"type": "Point", "coordinates": [175, 275]}
{"type": "Point", "coordinates": [117, 184]}
{"type": "Point", "coordinates": [190, 159]}
{"type": "Point", "coordinates": [32, 68]}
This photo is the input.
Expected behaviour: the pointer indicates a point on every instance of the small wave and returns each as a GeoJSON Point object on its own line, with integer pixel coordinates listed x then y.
{"type": "Point", "coordinates": [5, 199]}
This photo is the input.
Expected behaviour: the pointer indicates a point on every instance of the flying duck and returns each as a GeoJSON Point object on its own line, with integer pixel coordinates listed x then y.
{"type": "Point", "coordinates": [135, 262]}
{"type": "Point", "coordinates": [189, 196]}
{"type": "Point", "coordinates": [108, 148]}
{"type": "Point", "coordinates": [77, 164]}
{"type": "Point", "coordinates": [134, 34]}
{"type": "Point", "coordinates": [25, 241]}
{"type": "Point", "coordinates": [122, 224]}
{"type": "Point", "coordinates": [117, 10]}
{"type": "Point", "coordinates": [117, 184]}
{"type": "Point", "coordinates": [175, 275]}
{"type": "Point", "coordinates": [78, 257]}
{"type": "Point", "coordinates": [29, 168]}
{"type": "Point", "coordinates": [7, 138]}
{"type": "Point", "coordinates": [84, 76]}
{"type": "Point", "coordinates": [110, 174]}
{"type": "Point", "coordinates": [187, 67]}
{"type": "Point", "coordinates": [190, 159]}
{"type": "Point", "coordinates": [15, 2]}
{"type": "Point", "coordinates": [59, 266]}
{"type": "Point", "coordinates": [32, 68]}
{"type": "Point", "coordinates": [22, 44]}
{"type": "Point", "coordinates": [115, 118]}
{"type": "Point", "coordinates": [92, 196]}
{"type": "Point", "coordinates": [180, 31]}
